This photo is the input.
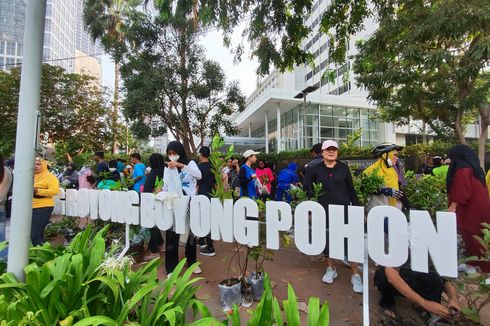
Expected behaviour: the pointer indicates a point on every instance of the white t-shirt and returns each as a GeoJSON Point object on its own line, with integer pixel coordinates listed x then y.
{"type": "Point", "coordinates": [188, 177]}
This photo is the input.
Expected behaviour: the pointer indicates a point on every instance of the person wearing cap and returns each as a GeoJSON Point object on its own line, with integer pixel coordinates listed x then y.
{"type": "Point", "coordinates": [205, 187]}
{"type": "Point", "coordinates": [337, 189]}
{"type": "Point", "coordinates": [247, 175]}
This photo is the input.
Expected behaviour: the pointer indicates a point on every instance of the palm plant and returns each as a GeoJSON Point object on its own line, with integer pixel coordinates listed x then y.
{"type": "Point", "coordinates": [104, 20]}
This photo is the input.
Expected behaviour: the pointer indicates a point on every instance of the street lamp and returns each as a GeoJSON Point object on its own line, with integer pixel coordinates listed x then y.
{"type": "Point", "coordinates": [302, 94]}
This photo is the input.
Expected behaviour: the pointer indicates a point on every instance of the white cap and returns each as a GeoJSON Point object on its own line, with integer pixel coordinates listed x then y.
{"type": "Point", "coordinates": [250, 152]}
{"type": "Point", "coordinates": [330, 143]}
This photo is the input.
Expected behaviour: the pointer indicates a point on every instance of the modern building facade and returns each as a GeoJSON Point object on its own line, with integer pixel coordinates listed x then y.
{"type": "Point", "coordinates": [278, 114]}
{"type": "Point", "coordinates": [63, 36]}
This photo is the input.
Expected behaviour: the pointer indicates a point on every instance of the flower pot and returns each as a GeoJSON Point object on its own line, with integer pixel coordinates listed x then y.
{"type": "Point", "coordinates": [257, 284]}
{"type": "Point", "coordinates": [247, 295]}
{"type": "Point", "coordinates": [230, 292]}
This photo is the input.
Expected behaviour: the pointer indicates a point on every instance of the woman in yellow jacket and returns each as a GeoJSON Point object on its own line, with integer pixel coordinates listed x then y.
{"type": "Point", "coordinates": [46, 186]}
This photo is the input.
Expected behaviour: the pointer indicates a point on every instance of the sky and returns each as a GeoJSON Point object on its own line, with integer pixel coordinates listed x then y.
{"type": "Point", "coordinates": [244, 71]}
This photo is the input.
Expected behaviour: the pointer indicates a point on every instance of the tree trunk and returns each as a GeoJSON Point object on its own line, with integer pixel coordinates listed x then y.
{"type": "Point", "coordinates": [115, 110]}
{"type": "Point", "coordinates": [424, 133]}
{"type": "Point", "coordinates": [459, 127]}
{"type": "Point", "coordinates": [484, 110]}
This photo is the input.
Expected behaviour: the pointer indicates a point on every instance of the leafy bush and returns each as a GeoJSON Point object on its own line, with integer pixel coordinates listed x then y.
{"type": "Point", "coordinates": [269, 312]}
{"type": "Point", "coordinates": [84, 284]}
{"type": "Point", "coordinates": [366, 185]}
{"type": "Point", "coordinates": [426, 192]}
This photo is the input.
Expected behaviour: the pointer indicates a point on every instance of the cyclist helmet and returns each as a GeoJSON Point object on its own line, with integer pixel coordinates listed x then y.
{"type": "Point", "coordinates": [385, 148]}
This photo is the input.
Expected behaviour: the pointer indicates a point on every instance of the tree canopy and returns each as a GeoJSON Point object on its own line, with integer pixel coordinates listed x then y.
{"type": "Point", "coordinates": [169, 84]}
{"type": "Point", "coordinates": [74, 111]}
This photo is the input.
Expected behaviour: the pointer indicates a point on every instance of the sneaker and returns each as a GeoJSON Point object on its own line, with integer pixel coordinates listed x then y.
{"type": "Point", "coordinates": [198, 270]}
{"type": "Point", "coordinates": [207, 252]}
{"type": "Point", "coordinates": [201, 243]}
{"type": "Point", "coordinates": [468, 269]}
{"type": "Point", "coordinates": [356, 283]}
{"type": "Point", "coordinates": [330, 275]}
{"type": "Point", "coordinates": [151, 255]}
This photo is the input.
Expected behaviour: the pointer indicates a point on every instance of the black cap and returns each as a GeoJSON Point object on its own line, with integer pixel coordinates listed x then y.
{"type": "Point", "coordinates": [205, 151]}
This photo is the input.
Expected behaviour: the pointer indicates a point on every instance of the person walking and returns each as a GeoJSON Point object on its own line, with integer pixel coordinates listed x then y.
{"type": "Point", "coordinates": [337, 189]}
{"type": "Point", "coordinates": [5, 184]}
{"type": "Point", "coordinates": [285, 179]}
{"type": "Point", "coordinates": [266, 177]}
{"type": "Point", "coordinates": [157, 164]}
{"type": "Point", "coordinates": [180, 176]}
{"type": "Point", "coordinates": [247, 176]}
{"type": "Point", "coordinates": [468, 198]}
{"type": "Point", "coordinates": [138, 176]}
{"type": "Point", "coordinates": [46, 186]}
{"type": "Point", "coordinates": [205, 187]}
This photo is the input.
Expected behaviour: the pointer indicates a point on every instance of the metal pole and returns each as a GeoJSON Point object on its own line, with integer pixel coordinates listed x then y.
{"type": "Point", "coordinates": [30, 86]}
{"type": "Point", "coordinates": [278, 127]}
{"type": "Point", "coordinates": [365, 284]}
{"type": "Point", "coordinates": [266, 131]}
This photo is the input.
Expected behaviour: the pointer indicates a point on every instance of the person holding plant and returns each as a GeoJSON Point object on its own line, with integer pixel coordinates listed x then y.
{"type": "Point", "coordinates": [266, 177]}
{"type": "Point", "coordinates": [468, 198]}
{"type": "Point", "coordinates": [247, 176]}
{"type": "Point", "coordinates": [180, 176]}
{"type": "Point", "coordinates": [153, 185]}
{"type": "Point", "coordinates": [5, 183]}
{"type": "Point", "coordinates": [387, 167]}
{"type": "Point", "coordinates": [337, 189]}
{"type": "Point", "coordinates": [46, 186]}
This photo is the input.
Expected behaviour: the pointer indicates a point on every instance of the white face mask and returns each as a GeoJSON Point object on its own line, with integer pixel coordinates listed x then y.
{"type": "Point", "coordinates": [112, 169]}
{"type": "Point", "coordinates": [389, 162]}
{"type": "Point", "coordinates": [174, 158]}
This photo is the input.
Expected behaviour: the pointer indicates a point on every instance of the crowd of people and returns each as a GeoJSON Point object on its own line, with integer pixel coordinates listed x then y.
{"type": "Point", "coordinates": [467, 188]}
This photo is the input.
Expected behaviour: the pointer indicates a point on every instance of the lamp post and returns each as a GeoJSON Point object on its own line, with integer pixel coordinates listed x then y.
{"type": "Point", "coordinates": [303, 94]}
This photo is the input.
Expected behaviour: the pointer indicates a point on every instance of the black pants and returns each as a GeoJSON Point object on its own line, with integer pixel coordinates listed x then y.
{"type": "Point", "coordinates": [209, 242]}
{"type": "Point", "coordinates": [429, 286]}
{"type": "Point", "coordinates": [40, 218]}
{"type": "Point", "coordinates": [172, 250]}
{"type": "Point", "coordinates": [156, 239]}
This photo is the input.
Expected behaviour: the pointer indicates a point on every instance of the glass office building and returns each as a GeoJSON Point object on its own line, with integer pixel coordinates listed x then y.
{"type": "Point", "coordinates": [302, 127]}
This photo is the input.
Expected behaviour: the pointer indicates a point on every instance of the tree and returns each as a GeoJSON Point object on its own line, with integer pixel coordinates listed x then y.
{"type": "Point", "coordinates": [74, 113]}
{"type": "Point", "coordinates": [171, 86]}
{"type": "Point", "coordinates": [104, 20]}
{"type": "Point", "coordinates": [427, 60]}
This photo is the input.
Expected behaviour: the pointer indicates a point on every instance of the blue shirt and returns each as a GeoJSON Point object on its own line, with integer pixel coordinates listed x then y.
{"type": "Point", "coordinates": [247, 184]}
{"type": "Point", "coordinates": [139, 171]}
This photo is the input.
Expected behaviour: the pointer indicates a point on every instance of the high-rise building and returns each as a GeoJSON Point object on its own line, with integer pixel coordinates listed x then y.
{"type": "Point", "coordinates": [66, 43]}
{"type": "Point", "coordinates": [12, 15]}
{"type": "Point", "coordinates": [297, 109]}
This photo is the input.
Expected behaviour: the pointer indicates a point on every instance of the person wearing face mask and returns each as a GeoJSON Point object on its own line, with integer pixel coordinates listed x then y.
{"type": "Point", "coordinates": [387, 167]}
{"type": "Point", "coordinates": [46, 186]}
{"type": "Point", "coordinates": [180, 176]}
{"type": "Point", "coordinates": [114, 174]}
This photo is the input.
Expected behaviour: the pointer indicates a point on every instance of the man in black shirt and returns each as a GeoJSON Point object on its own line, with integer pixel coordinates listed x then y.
{"type": "Point", "coordinates": [102, 168]}
{"type": "Point", "coordinates": [205, 187]}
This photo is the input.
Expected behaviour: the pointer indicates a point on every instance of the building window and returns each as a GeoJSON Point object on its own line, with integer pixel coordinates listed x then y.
{"type": "Point", "coordinates": [10, 63]}
{"type": "Point", "coordinates": [2, 47]}
{"type": "Point", "coordinates": [10, 48]}
{"type": "Point", "coordinates": [19, 49]}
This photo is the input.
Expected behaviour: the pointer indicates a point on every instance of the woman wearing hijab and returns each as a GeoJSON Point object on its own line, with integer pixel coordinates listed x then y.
{"type": "Point", "coordinates": [468, 198]}
{"type": "Point", "coordinates": [46, 186]}
{"type": "Point", "coordinates": [180, 176]}
{"type": "Point", "coordinates": [387, 167]}
{"type": "Point", "coordinates": [157, 164]}
{"type": "Point", "coordinates": [5, 183]}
